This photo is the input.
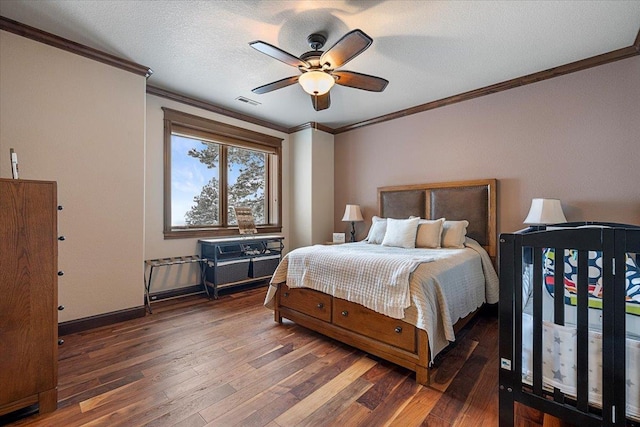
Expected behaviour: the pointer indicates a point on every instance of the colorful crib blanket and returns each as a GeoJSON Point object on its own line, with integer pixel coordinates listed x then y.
{"type": "Point", "coordinates": [632, 277]}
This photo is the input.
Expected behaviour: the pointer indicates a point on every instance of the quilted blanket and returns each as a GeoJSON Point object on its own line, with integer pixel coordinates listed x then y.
{"type": "Point", "coordinates": [375, 279]}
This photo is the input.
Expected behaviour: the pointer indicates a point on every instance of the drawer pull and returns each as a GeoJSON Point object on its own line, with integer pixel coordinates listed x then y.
{"type": "Point", "coordinates": [345, 313]}
{"type": "Point", "coordinates": [398, 329]}
{"type": "Point", "coordinates": [60, 341]}
{"type": "Point", "coordinates": [61, 238]}
{"type": "Point", "coordinates": [60, 207]}
{"type": "Point", "coordinates": [60, 273]}
{"type": "Point", "coordinates": [60, 307]}
{"type": "Point", "coordinates": [320, 305]}
{"type": "Point", "coordinates": [286, 295]}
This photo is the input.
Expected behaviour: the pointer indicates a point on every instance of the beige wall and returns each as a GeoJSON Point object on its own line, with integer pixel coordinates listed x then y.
{"type": "Point", "coordinates": [155, 245]}
{"type": "Point", "coordinates": [300, 189]}
{"type": "Point", "coordinates": [575, 137]}
{"type": "Point", "coordinates": [80, 123]}
{"type": "Point", "coordinates": [311, 187]}
{"type": "Point", "coordinates": [322, 188]}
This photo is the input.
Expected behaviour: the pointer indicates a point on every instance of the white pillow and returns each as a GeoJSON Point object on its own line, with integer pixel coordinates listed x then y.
{"type": "Point", "coordinates": [453, 233]}
{"type": "Point", "coordinates": [377, 230]}
{"type": "Point", "coordinates": [401, 233]}
{"type": "Point", "coordinates": [429, 233]}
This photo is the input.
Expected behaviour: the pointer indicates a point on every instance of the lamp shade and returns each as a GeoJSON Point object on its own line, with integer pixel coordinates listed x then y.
{"type": "Point", "coordinates": [352, 213]}
{"type": "Point", "coordinates": [545, 211]}
{"type": "Point", "coordinates": [316, 82]}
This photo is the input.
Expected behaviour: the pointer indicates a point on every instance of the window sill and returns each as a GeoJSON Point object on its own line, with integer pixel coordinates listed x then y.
{"type": "Point", "coordinates": [206, 233]}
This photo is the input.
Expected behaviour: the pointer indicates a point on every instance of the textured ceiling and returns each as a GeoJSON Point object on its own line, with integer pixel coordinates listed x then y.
{"type": "Point", "coordinates": [428, 50]}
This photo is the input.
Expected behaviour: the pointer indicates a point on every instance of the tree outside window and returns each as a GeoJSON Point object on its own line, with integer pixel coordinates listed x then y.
{"type": "Point", "coordinates": [246, 180]}
{"type": "Point", "coordinates": [209, 173]}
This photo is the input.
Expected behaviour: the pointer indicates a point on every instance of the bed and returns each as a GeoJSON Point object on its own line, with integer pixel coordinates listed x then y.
{"type": "Point", "coordinates": [570, 323]}
{"type": "Point", "coordinates": [407, 313]}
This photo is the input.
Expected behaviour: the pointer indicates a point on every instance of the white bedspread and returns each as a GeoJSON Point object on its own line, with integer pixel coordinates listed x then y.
{"type": "Point", "coordinates": [375, 278]}
{"type": "Point", "coordinates": [446, 284]}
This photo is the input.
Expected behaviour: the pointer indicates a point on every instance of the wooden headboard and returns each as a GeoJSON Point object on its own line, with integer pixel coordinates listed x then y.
{"type": "Point", "coordinates": [474, 201]}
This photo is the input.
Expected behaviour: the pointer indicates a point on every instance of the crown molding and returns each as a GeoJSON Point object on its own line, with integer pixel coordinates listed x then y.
{"type": "Point", "coordinates": [23, 30]}
{"type": "Point", "coordinates": [311, 125]}
{"type": "Point", "coordinates": [594, 61]}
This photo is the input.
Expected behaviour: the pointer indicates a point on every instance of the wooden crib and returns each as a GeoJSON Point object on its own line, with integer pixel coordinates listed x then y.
{"type": "Point", "coordinates": [531, 251]}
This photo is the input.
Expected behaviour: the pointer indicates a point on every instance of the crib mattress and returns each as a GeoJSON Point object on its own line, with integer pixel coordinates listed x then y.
{"type": "Point", "coordinates": [559, 358]}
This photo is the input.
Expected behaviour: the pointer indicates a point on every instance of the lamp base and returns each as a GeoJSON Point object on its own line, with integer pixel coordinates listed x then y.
{"type": "Point", "coordinates": [353, 232]}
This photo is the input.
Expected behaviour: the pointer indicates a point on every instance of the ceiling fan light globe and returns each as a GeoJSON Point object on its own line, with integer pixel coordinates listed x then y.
{"type": "Point", "coordinates": [316, 82]}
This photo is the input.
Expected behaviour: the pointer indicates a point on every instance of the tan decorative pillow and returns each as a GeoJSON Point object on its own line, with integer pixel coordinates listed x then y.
{"type": "Point", "coordinates": [453, 233]}
{"type": "Point", "coordinates": [401, 233]}
{"type": "Point", "coordinates": [377, 230]}
{"type": "Point", "coordinates": [429, 233]}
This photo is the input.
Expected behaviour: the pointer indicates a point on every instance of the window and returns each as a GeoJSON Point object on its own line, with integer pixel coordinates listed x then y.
{"type": "Point", "coordinates": [210, 167]}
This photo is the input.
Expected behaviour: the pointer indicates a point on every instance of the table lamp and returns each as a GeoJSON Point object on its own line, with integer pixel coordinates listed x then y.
{"type": "Point", "coordinates": [352, 213]}
{"type": "Point", "coordinates": [544, 212]}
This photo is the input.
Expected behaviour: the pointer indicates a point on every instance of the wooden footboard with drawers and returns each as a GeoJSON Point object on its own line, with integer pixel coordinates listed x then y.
{"type": "Point", "coordinates": [353, 324]}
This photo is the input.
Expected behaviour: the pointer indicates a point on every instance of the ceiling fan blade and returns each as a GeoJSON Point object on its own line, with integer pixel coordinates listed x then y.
{"type": "Point", "coordinates": [348, 47]}
{"type": "Point", "coordinates": [360, 81]}
{"type": "Point", "coordinates": [321, 102]}
{"type": "Point", "coordinates": [279, 54]}
{"type": "Point", "coordinates": [276, 85]}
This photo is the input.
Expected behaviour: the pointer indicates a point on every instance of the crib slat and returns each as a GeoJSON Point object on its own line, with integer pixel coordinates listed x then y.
{"type": "Point", "coordinates": [582, 338]}
{"type": "Point", "coordinates": [558, 287]}
{"type": "Point", "coordinates": [609, 337]}
{"type": "Point", "coordinates": [558, 303]}
{"type": "Point", "coordinates": [517, 320]}
{"type": "Point", "coordinates": [537, 322]}
{"type": "Point", "coordinates": [624, 242]}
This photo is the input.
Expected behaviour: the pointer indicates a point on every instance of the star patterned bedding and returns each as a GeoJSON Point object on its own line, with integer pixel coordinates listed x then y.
{"type": "Point", "coordinates": [559, 363]}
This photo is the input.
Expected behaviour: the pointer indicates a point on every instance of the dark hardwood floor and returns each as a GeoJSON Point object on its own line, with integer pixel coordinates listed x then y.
{"type": "Point", "coordinates": [225, 362]}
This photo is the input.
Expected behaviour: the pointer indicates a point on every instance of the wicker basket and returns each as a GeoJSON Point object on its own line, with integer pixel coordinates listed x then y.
{"type": "Point", "coordinates": [264, 266]}
{"type": "Point", "coordinates": [231, 271]}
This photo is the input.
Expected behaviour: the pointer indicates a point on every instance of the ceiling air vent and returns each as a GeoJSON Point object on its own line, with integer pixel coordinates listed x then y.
{"type": "Point", "coordinates": [247, 101]}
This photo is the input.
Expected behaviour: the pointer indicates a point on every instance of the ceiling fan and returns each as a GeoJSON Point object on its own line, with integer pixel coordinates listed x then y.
{"type": "Point", "coordinates": [318, 68]}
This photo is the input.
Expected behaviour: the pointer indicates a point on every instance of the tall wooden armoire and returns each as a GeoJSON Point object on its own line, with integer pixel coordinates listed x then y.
{"type": "Point", "coordinates": [28, 295]}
